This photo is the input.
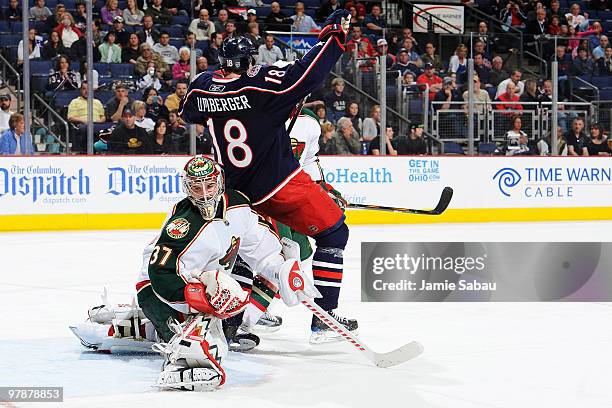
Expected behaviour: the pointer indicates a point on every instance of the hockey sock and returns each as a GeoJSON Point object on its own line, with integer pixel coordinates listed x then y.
{"type": "Point", "coordinates": [327, 274]}
{"type": "Point", "coordinates": [261, 296]}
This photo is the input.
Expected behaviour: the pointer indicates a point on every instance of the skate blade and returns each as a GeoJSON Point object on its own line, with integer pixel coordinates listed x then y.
{"type": "Point", "coordinates": [262, 329]}
{"type": "Point", "coordinates": [327, 336]}
{"type": "Point", "coordinates": [196, 386]}
{"type": "Point", "coordinates": [242, 346]}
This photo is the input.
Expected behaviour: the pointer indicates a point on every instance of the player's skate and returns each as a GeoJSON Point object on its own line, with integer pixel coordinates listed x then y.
{"type": "Point", "coordinates": [321, 333]}
{"type": "Point", "coordinates": [238, 339]}
{"type": "Point", "coordinates": [193, 356]}
{"type": "Point", "coordinates": [268, 323]}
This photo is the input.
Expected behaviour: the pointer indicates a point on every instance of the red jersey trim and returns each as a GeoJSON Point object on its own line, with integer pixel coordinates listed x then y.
{"type": "Point", "coordinates": [278, 187]}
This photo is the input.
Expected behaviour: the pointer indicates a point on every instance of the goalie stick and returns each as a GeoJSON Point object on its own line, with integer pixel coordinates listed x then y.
{"type": "Point", "coordinates": [445, 198]}
{"type": "Point", "coordinates": [383, 360]}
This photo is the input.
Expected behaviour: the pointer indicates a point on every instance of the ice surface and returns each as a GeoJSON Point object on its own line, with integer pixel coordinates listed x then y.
{"type": "Point", "coordinates": [476, 354]}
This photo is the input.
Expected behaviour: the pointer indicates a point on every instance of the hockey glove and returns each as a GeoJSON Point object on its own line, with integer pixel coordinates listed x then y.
{"type": "Point", "coordinates": [337, 24]}
{"type": "Point", "coordinates": [335, 195]}
{"type": "Point", "coordinates": [216, 293]}
{"type": "Point", "coordinates": [291, 279]}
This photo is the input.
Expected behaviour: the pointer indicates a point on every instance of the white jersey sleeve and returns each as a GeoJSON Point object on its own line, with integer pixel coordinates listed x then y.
{"type": "Point", "coordinates": [305, 141]}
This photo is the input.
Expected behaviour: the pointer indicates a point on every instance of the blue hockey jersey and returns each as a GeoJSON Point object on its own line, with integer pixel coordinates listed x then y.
{"type": "Point", "coordinates": [246, 117]}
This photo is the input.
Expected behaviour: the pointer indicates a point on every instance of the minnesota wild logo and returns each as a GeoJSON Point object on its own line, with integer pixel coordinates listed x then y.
{"type": "Point", "coordinates": [200, 167]}
{"type": "Point", "coordinates": [230, 255]}
{"type": "Point", "coordinates": [297, 147]}
{"type": "Point", "coordinates": [177, 228]}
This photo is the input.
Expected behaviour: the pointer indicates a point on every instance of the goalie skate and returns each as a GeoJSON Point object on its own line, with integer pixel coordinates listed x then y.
{"type": "Point", "coordinates": [268, 323]}
{"type": "Point", "coordinates": [321, 333]}
{"type": "Point", "coordinates": [179, 377]}
{"type": "Point", "coordinates": [240, 340]}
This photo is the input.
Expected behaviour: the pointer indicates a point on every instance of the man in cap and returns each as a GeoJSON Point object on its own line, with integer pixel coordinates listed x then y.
{"type": "Point", "coordinates": [429, 77]}
{"type": "Point", "coordinates": [127, 138]}
{"type": "Point", "coordinates": [122, 37]}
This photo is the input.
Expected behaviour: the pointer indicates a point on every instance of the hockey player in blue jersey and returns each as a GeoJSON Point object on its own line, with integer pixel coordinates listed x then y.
{"type": "Point", "coordinates": [245, 107]}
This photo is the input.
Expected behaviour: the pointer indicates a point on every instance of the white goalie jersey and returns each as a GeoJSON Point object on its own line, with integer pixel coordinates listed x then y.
{"type": "Point", "coordinates": [305, 144]}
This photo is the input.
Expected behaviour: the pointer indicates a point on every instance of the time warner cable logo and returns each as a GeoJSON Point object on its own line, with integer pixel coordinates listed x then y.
{"type": "Point", "coordinates": [506, 179]}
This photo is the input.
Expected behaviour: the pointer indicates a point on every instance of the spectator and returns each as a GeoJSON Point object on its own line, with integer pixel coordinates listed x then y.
{"type": "Point", "coordinates": [356, 40]}
{"type": "Point", "coordinates": [118, 103]}
{"type": "Point", "coordinates": [148, 34]}
{"type": "Point", "coordinates": [12, 12]}
{"type": "Point", "coordinates": [150, 79]}
{"type": "Point", "coordinates": [140, 119]}
{"type": "Point", "coordinates": [374, 148]}
{"type": "Point", "coordinates": [497, 73]}
{"type": "Point", "coordinates": [413, 56]}
{"type": "Point", "coordinates": [230, 30]}
{"type": "Point", "coordinates": [172, 101]}
{"type": "Point", "coordinates": [15, 140]}
{"type": "Point", "coordinates": [168, 52]}
{"type": "Point", "coordinates": [371, 124]}
{"type": "Point", "coordinates": [83, 73]}
{"type": "Point", "coordinates": [355, 20]}
{"type": "Point", "coordinates": [414, 143]}
{"type": "Point", "coordinates": [52, 47]}
{"type": "Point", "coordinates": [167, 83]}
{"type": "Point", "coordinates": [513, 16]}
{"type": "Point", "coordinates": [536, 30]}
{"type": "Point", "coordinates": [361, 9]}
{"type": "Point", "coordinates": [109, 51]}
{"type": "Point", "coordinates": [604, 65]}
{"type": "Point", "coordinates": [191, 42]}
{"type": "Point", "coordinates": [479, 48]}
{"type": "Point", "coordinates": [127, 138]}
{"type": "Point", "coordinates": [182, 69]}
{"type": "Point", "coordinates": [574, 18]}
{"type": "Point", "coordinates": [531, 92]}
{"type": "Point", "coordinates": [80, 17]}
{"type": "Point", "coordinates": [328, 7]}
{"type": "Point", "coordinates": [516, 139]}
{"type": "Point", "coordinates": [160, 14]}
{"type": "Point", "coordinates": [554, 28]}
{"type": "Point", "coordinates": [62, 78]}
{"type": "Point", "coordinates": [147, 55]}
{"type": "Point", "coordinates": [66, 30]}
{"type": "Point", "coordinates": [130, 54]}
{"type": "Point", "coordinates": [213, 7]}
{"type": "Point", "coordinates": [582, 64]}
{"type": "Point", "coordinates": [458, 63]}
{"type": "Point", "coordinates": [269, 53]}
{"type": "Point", "coordinates": [481, 69]}
{"type": "Point", "coordinates": [222, 19]}
{"type": "Point", "coordinates": [430, 57]}
{"type": "Point", "coordinates": [176, 127]}
{"type": "Point", "coordinates": [253, 34]}
{"type": "Point", "coordinates": [451, 124]}
{"type": "Point", "coordinates": [5, 111]}
{"type": "Point", "coordinates": [352, 112]}
{"type": "Point", "coordinates": [515, 78]}
{"type": "Point", "coordinates": [321, 113]}
{"type": "Point", "coordinates": [374, 22]}
{"type": "Point", "coordinates": [302, 22]}
{"type": "Point", "coordinates": [201, 65]}
{"type": "Point", "coordinates": [382, 48]}
{"type": "Point", "coordinates": [172, 6]}
{"type": "Point", "coordinates": [595, 35]}
{"type": "Point", "coordinates": [544, 145]}
{"type": "Point", "coordinates": [110, 11]}
{"type": "Point", "coordinates": [509, 96]}
{"type": "Point", "coordinates": [408, 80]}
{"type": "Point", "coordinates": [276, 20]}
{"type": "Point", "coordinates": [597, 145]}
{"type": "Point", "coordinates": [403, 63]}
{"type": "Point", "coordinates": [327, 144]}
{"type": "Point", "coordinates": [78, 50]}
{"type": "Point", "coordinates": [577, 141]}
{"type": "Point", "coordinates": [345, 138]}
{"type": "Point", "coordinates": [122, 37]}
{"type": "Point", "coordinates": [161, 140]}
{"type": "Point", "coordinates": [251, 16]}
{"type": "Point", "coordinates": [40, 12]}
{"type": "Point", "coordinates": [154, 104]}
{"type": "Point", "coordinates": [482, 100]}
{"type": "Point", "coordinates": [555, 11]}
{"type": "Point", "coordinates": [77, 115]}
{"type": "Point", "coordinates": [486, 38]}
{"type": "Point", "coordinates": [212, 53]}
{"type": "Point", "coordinates": [430, 78]}
{"type": "Point", "coordinates": [600, 50]}
{"type": "Point", "coordinates": [336, 101]}
{"type": "Point", "coordinates": [55, 19]}
{"type": "Point", "coordinates": [132, 15]}
{"type": "Point", "coordinates": [34, 47]}
{"type": "Point", "coordinates": [202, 27]}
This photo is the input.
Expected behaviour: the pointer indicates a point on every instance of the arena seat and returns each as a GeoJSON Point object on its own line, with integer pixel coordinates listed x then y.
{"type": "Point", "coordinates": [122, 70]}
{"type": "Point", "coordinates": [39, 67]}
{"type": "Point", "coordinates": [103, 69]}
{"type": "Point", "coordinates": [453, 148]}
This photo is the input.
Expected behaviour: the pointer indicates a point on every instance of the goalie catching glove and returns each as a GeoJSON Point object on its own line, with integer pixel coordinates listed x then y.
{"type": "Point", "coordinates": [215, 293]}
{"type": "Point", "coordinates": [337, 24]}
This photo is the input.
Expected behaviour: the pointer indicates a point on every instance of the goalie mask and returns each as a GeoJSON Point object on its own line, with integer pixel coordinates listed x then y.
{"type": "Point", "coordinates": [204, 184]}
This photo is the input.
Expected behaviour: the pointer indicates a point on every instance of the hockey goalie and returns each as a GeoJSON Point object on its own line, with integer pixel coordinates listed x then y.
{"type": "Point", "coordinates": [186, 289]}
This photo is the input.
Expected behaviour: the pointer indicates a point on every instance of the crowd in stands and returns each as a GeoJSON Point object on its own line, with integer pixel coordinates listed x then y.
{"type": "Point", "coordinates": [142, 53]}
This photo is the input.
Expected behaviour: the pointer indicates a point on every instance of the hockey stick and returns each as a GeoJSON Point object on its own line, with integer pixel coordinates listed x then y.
{"type": "Point", "coordinates": [445, 198]}
{"type": "Point", "coordinates": [383, 360]}
{"type": "Point", "coordinates": [298, 109]}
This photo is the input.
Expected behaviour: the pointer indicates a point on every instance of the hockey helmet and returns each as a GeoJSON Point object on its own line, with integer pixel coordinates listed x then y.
{"type": "Point", "coordinates": [237, 54]}
{"type": "Point", "coordinates": [204, 184]}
